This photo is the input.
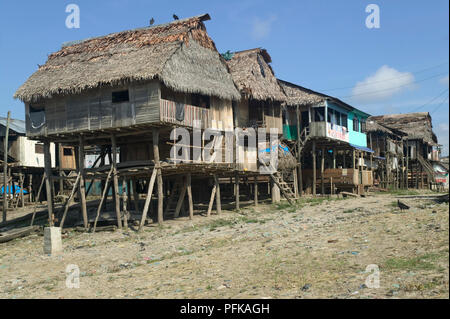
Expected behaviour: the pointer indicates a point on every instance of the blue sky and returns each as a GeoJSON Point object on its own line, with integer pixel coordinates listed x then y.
{"type": "Point", "coordinates": [323, 45]}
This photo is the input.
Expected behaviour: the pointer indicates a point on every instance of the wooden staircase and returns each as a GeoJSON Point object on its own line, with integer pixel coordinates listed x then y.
{"type": "Point", "coordinates": [427, 167]}
{"type": "Point", "coordinates": [285, 189]}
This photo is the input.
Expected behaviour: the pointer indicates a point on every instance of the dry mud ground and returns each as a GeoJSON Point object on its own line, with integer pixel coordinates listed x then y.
{"type": "Point", "coordinates": [318, 249]}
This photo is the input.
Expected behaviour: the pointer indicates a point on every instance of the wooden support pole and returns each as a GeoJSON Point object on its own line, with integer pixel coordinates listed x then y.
{"type": "Point", "coordinates": [5, 169]}
{"type": "Point", "coordinates": [218, 200]}
{"type": "Point", "coordinates": [115, 180]}
{"type": "Point", "coordinates": [148, 198]}
{"type": "Point", "coordinates": [104, 195]}
{"type": "Point", "coordinates": [22, 202]}
{"type": "Point", "coordinates": [124, 203]}
{"type": "Point", "coordinates": [48, 181]}
{"type": "Point", "coordinates": [66, 205]}
{"type": "Point", "coordinates": [181, 198]}
{"type": "Point", "coordinates": [82, 180]}
{"type": "Point", "coordinates": [155, 134]}
{"type": "Point", "coordinates": [299, 152]}
{"type": "Point", "coordinates": [37, 198]}
{"type": "Point", "coordinates": [189, 193]}
{"type": "Point", "coordinates": [334, 158]}
{"type": "Point", "coordinates": [255, 181]}
{"type": "Point", "coordinates": [211, 200]}
{"type": "Point", "coordinates": [314, 167]}
{"type": "Point", "coordinates": [236, 183]}
{"type": "Point", "coordinates": [322, 171]}
{"type": "Point", "coordinates": [135, 195]}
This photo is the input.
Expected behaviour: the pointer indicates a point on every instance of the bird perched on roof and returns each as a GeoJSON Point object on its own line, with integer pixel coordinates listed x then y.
{"type": "Point", "coordinates": [175, 17]}
{"type": "Point", "coordinates": [152, 21]}
{"type": "Point", "coordinates": [401, 205]}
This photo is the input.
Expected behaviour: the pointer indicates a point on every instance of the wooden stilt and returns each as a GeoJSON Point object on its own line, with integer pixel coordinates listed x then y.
{"type": "Point", "coordinates": [82, 180]}
{"type": "Point", "coordinates": [124, 203]}
{"type": "Point", "coordinates": [322, 171]}
{"type": "Point", "coordinates": [181, 198]}
{"type": "Point", "coordinates": [48, 181]}
{"type": "Point", "coordinates": [189, 193]}
{"type": "Point", "coordinates": [314, 167]}
{"type": "Point", "coordinates": [255, 192]}
{"type": "Point", "coordinates": [104, 195]}
{"type": "Point", "coordinates": [135, 195]}
{"type": "Point", "coordinates": [66, 205]}
{"type": "Point", "coordinates": [236, 183]}
{"type": "Point", "coordinates": [155, 133]}
{"type": "Point", "coordinates": [5, 169]}
{"type": "Point", "coordinates": [176, 185]}
{"type": "Point", "coordinates": [116, 180]}
{"type": "Point", "coordinates": [37, 198]}
{"type": "Point", "coordinates": [211, 200]}
{"type": "Point", "coordinates": [148, 199]}
{"type": "Point", "coordinates": [22, 201]}
{"type": "Point", "coordinates": [218, 200]}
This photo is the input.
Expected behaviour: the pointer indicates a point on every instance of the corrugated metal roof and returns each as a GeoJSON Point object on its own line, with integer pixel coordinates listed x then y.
{"type": "Point", "coordinates": [17, 126]}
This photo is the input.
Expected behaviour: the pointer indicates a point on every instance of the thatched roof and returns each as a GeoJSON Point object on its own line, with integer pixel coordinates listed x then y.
{"type": "Point", "coordinates": [180, 54]}
{"type": "Point", "coordinates": [254, 76]}
{"type": "Point", "coordinates": [415, 125]}
{"type": "Point", "coordinates": [298, 95]}
{"type": "Point", "coordinates": [373, 126]}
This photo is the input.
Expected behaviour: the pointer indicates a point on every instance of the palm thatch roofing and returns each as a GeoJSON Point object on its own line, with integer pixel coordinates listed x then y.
{"type": "Point", "coordinates": [415, 125]}
{"type": "Point", "coordinates": [180, 54]}
{"type": "Point", "coordinates": [254, 76]}
{"type": "Point", "coordinates": [301, 96]}
{"type": "Point", "coordinates": [373, 126]}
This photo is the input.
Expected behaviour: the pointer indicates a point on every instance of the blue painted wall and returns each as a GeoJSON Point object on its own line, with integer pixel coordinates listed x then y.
{"type": "Point", "coordinates": [356, 138]}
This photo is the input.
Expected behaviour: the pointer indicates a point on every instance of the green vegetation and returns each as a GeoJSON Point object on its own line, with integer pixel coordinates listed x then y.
{"type": "Point", "coordinates": [424, 262]}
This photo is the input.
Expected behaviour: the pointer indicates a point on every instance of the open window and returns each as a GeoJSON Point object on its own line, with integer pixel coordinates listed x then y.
{"type": "Point", "coordinates": [200, 100]}
{"type": "Point", "coordinates": [120, 96]}
{"type": "Point", "coordinates": [355, 124]}
{"type": "Point", "coordinates": [37, 116]}
{"type": "Point", "coordinates": [319, 114]}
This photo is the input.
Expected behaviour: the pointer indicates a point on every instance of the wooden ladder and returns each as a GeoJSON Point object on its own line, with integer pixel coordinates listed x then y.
{"type": "Point", "coordinates": [286, 191]}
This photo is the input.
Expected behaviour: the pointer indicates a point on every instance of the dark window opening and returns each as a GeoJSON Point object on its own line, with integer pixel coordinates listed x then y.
{"type": "Point", "coordinates": [67, 151]}
{"type": "Point", "coordinates": [319, 114]}
{"type": "Point", "coordinates": [355, 124]}
{"type": "Point", "coordinates": [200, 100]}
{"type": "Point", "coordinates": [37, 117]}
{"type": "Point", "coordinates": [344, 121]}
{"type": "Point", "coordinates": [120, 96]}
{"type": "Point", "coordinates": [363, 126]}
{"type": "Point", "coordinates": [39, 148]}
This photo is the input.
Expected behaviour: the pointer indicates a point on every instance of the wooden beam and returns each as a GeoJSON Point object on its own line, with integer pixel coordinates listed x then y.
{"type": "Point", "coordinates": [148, 199]}
{"type": "Point", "coordinates": [82, 180]}
{"type": "Point", "coordinates": [255, 190]}
{"type": "Point", "coordinates": [322, 171]}
{"type": "Point", "coordinates": [124, 203]}
{"type": "Point", "coordinates": [115, 180]}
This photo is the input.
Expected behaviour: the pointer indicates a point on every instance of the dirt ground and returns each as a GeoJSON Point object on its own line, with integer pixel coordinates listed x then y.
{"type": "Point", "coordinates": [318, 249]}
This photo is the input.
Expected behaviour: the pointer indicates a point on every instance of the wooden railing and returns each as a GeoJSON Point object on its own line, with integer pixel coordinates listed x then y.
{"type": "Point", "coordinates": [191, 114]}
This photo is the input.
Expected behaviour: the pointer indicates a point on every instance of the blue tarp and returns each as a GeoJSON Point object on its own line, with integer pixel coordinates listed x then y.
{"type": "Point", "coordinates": [362, 148]}
{"type": "Point", "coordinates": [9, 190]}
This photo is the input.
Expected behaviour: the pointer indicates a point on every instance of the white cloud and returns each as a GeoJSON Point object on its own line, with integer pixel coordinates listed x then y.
{"type": "Point", "coordinates": [261, 28]}
{"type": "Point", "coordinates": [444, 80]}
{"type": "Point", "coordinates": [382, 85]}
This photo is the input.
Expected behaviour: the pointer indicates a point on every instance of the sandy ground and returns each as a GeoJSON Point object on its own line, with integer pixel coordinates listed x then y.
{"type": "Point", "coordinates": [318, 249]}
